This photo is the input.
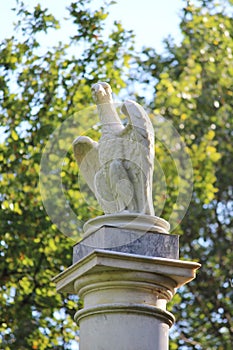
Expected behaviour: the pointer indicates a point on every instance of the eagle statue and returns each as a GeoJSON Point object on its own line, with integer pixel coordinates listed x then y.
{"type": "Point", "coordinates": [119, 168]}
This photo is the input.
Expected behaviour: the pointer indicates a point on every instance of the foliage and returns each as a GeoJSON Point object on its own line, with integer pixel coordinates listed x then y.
{"type": "Point", "coordinates": [193, 88]}
{"type": "Point", "coordinates": [40, 89]}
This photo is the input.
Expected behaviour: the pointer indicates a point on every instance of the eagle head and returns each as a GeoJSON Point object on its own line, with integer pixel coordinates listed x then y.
{"type": "Point", "coordinates": [102, 93]}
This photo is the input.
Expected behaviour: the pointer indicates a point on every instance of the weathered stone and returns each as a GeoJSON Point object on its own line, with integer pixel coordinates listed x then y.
{"type": "Point", "coordinates": [126, 220]}
{"type": "Point", "coordinates": [125, 297]}
{"type": "Point", "coordinates": [126, 268]}
{"type": "Point", "coordinates": [152, 244]}
{"type": "Point", "coordinates": [119, 168]}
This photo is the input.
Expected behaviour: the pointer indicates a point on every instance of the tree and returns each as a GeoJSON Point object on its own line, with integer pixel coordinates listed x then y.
{"type": "Point", "coordinates": [39, 90]}
{"type": "Point", "coordinates": [193, 88]}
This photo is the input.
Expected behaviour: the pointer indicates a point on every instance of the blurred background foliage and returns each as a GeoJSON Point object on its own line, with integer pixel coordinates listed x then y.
{"type": "Point", "coordinates": [191, 85]}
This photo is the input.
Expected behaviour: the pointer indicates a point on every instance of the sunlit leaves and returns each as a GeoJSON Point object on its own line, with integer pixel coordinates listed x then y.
{"type": "Point", "coordinates": [193, 89]}
{"type": "Point", "coordinates": [40, 89]}
{"type": "Point", "coordinates": [36, 21]}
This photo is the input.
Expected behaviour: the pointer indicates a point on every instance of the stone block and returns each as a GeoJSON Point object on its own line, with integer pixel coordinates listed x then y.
{"type": "Point", "coordinates": [151, 244]}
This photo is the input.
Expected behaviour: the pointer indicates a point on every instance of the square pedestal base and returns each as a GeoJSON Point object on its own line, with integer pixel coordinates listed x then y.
{"type": "Point", "coordinates": [153, 244]}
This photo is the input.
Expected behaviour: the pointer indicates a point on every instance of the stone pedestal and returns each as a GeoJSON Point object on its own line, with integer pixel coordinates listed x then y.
{"type": "Point", "coordinates": [125, 288]}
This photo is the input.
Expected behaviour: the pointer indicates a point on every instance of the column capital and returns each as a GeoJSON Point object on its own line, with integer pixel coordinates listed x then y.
{"type": "Point", "coordinates": [179, 272]}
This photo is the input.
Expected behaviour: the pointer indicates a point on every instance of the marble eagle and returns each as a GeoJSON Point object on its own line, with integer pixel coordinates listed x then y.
{"type": "Point", "coordinates": [119, 167]}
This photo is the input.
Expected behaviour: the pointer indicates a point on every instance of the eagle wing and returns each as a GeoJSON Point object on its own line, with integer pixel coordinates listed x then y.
{"type": "Point", "coordinates": [87, 156]}
{"type": "Point", "coordinates": [140, 132]}
{"type": "Point", "coordinates": [139, 121]}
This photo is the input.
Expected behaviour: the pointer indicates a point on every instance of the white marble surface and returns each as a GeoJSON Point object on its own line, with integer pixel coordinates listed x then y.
{"type": "Point", "coordinates": [125, 298]}
{"type": "Point", "coordinates": [119, 168]}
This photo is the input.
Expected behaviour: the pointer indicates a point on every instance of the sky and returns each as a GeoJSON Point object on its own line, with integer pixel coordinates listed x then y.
{"type": "Point", "coordinates": [151, 20]}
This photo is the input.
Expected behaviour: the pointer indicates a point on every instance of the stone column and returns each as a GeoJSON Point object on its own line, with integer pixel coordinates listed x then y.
{"type": "Point", "coordinates": [126, 277]}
